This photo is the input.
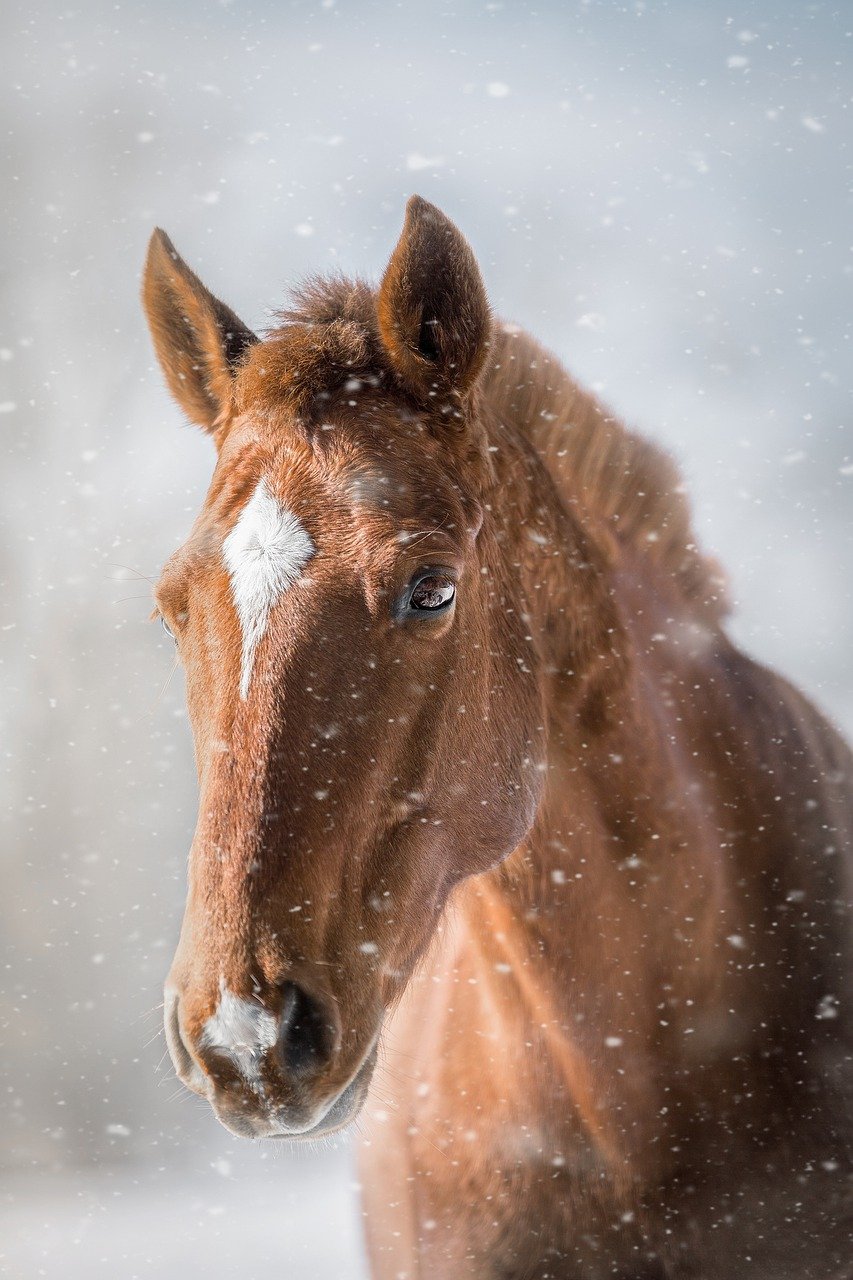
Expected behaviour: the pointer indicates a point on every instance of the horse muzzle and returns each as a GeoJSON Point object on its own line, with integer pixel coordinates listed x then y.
{"type": "Point", "coordinates": [270, 1074]}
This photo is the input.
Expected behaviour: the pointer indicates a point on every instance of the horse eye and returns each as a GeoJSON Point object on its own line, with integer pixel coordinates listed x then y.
{"type": "Point", "coordinates": [169, 632]}
{"type": "Point", "coordinates": [432, 593]}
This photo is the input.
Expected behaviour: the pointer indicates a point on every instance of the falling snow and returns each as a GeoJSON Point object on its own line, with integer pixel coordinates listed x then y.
{"type": "Point", "coordinates": [662, 201]}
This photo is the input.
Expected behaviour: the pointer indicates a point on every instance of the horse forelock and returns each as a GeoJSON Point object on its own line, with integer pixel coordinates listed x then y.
{"type": "Point", "coordinates": [326, 336]}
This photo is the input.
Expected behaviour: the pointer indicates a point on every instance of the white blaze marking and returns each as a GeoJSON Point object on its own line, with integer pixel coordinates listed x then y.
{"type": "Point", "coordinates": [264, 553]}
{"type": "Point", "coordinates": [243, 1029]}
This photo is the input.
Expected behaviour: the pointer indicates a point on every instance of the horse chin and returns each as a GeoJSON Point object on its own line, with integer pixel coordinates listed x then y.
{"type": "Point", "coordinates": [343, 1110]}
{"type": "Point", "coordinates": [334, 1116]}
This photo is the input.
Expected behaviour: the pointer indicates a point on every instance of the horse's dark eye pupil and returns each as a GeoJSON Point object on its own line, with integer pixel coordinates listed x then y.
{"type": "Point", "coordinates": [169, 632]}
{"type": "Point", "coordinates": [433, 593]}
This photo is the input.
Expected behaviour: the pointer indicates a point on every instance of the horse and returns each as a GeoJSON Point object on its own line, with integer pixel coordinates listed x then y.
{"type": "Point", "coordinates": [491, 808]}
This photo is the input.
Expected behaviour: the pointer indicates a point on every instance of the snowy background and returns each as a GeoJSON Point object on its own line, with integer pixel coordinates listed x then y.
{"type": "Point", "coordinates": [659, 191]}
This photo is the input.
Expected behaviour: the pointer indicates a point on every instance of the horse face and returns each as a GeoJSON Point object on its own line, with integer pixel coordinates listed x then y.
{"type": "Point", "coordinates": [366, 728]}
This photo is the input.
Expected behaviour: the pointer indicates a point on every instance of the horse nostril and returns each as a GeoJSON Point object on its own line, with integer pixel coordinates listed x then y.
{"type": "Point", "coordinates": [307, 1035]}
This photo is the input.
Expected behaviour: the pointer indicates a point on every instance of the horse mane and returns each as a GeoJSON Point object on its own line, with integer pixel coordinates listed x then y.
{"type": "Point", "coordinates": [329, 333]}
{"type": "Point", "coordinates": [601, 467]}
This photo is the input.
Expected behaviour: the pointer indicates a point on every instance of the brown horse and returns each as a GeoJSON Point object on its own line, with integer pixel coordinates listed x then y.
{"type": "Point", "coordinates": [489, 797]}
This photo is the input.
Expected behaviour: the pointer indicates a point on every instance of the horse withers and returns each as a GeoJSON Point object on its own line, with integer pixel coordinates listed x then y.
{"type": "Point", "coordinates": [492, 811]}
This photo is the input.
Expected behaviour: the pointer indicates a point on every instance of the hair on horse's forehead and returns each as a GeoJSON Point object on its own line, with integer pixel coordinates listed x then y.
{"type": "Point", "coordinates": [327, 336]}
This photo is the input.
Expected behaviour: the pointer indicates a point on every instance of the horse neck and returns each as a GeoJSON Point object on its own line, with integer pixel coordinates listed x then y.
{"type": "Point", "coordinates": [563, 569]}
{"type": "Point", "coordinates": [575, 914]}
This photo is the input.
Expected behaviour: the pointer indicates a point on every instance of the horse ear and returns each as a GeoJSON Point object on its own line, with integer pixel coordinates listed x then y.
{"type": "Point", "coordinates": [198, 340]}
{"type": "Point", "coordinates": [432, 307]}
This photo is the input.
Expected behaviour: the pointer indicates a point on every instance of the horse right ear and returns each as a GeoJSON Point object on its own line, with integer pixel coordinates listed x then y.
{"type": "Point", "coordinates": [198, 340]}
{"type": "Point", "coordinates": [432, 308]}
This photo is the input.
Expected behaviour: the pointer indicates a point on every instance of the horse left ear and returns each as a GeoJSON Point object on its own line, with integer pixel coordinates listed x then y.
{"type": "Point", "coordinates": [199, 341]}
{"type": "Point", "coordinates": [432, 308]}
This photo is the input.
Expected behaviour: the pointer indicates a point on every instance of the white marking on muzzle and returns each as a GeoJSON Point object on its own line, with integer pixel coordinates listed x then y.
{"type": "Point", "coordinates": [264, 553]}
{"type": "Point", "coordinates": [242, 1029]}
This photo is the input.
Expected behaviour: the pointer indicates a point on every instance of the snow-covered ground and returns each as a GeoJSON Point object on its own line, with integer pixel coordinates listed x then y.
{"type": "Point", "coordinates": [659, 190]}
{"type": "Point", "coordinates": [241, 1217]}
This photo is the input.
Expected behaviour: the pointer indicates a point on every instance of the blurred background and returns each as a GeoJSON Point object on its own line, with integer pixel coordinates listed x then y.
{"type": "Point", "coordinates": [659, 191]}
